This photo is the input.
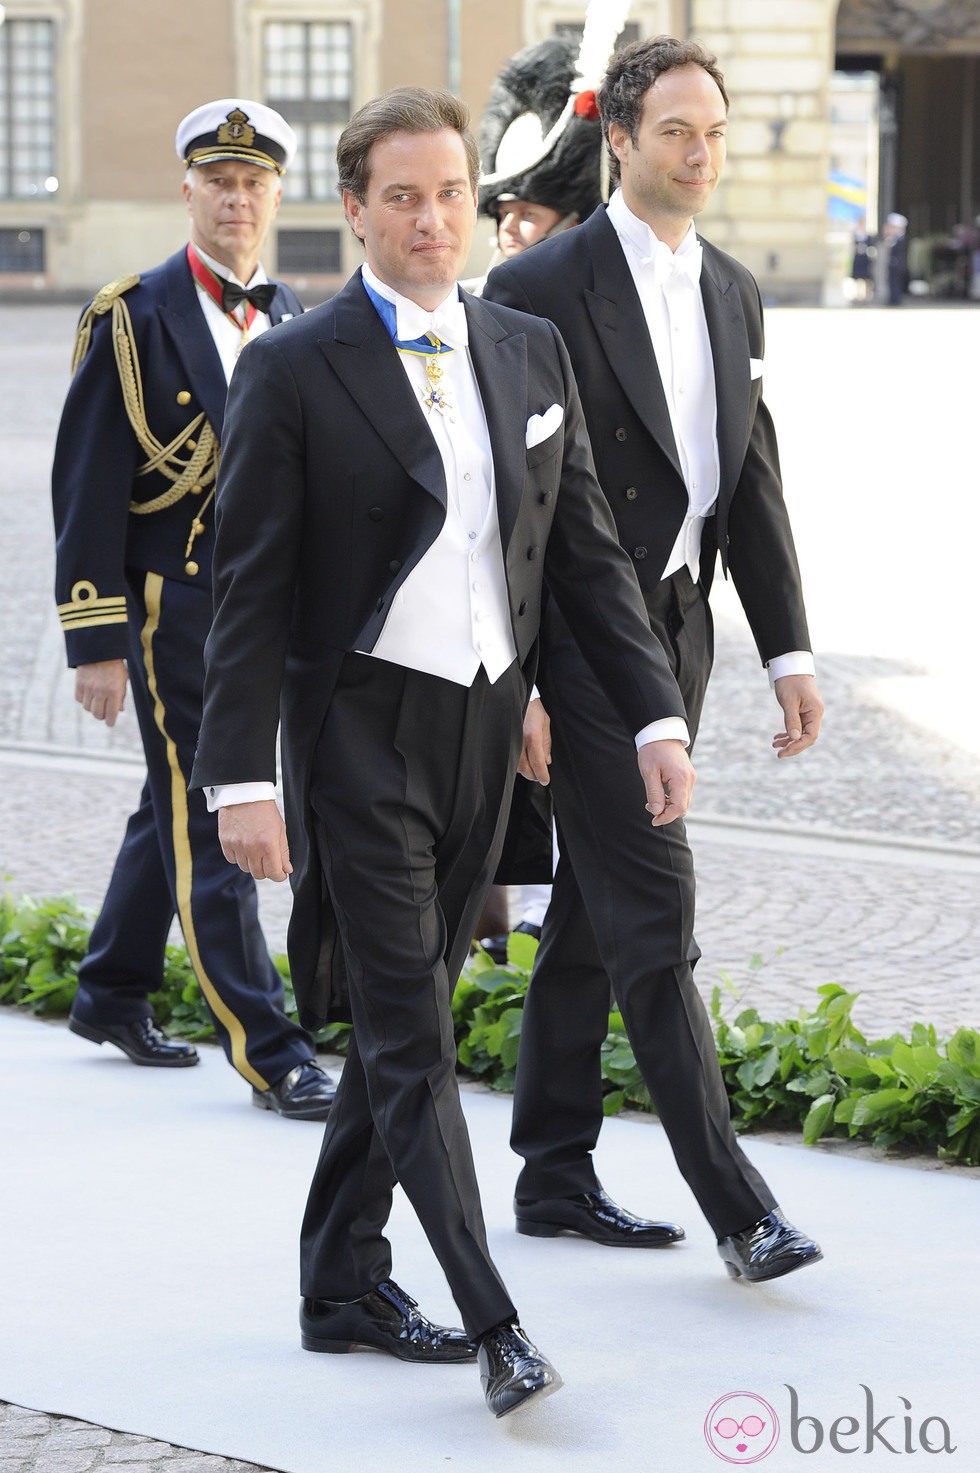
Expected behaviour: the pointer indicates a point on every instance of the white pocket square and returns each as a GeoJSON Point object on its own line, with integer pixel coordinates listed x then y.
{"type": "Point", "coordinates": [540, 426]}
{"type": "Point", "coordinates": [755, 368]}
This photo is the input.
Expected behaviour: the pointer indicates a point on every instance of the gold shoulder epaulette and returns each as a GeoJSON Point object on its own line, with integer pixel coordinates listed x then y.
{"type": "Point", "coordinates": [106, 295]}
{"type": "Point", "coordinates": [103, 302]}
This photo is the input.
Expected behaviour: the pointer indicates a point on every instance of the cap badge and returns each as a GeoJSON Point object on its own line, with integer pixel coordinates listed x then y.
{"type": "Point", "coordinates": [237, 129]}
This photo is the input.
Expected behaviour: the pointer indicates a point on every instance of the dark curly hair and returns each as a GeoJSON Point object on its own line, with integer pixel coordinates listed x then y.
{"type": "Point", "coordinates": [631, 73]}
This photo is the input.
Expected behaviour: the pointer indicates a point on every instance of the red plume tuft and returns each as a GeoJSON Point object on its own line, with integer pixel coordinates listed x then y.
{"type": "Point", "coordinates": [586, 105]}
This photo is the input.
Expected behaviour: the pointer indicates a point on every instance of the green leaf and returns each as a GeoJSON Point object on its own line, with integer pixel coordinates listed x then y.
{"type": "Point", "coordinates": [819, 1118]}
{"type": "Point", "coordinates": [521, 951]}
{"type": "Point", "coordinates": [877, 1106]}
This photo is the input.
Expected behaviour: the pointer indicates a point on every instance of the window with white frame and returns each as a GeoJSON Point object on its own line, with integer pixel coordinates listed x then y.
{"type": "Point", "coordinates": [309, 69]}
{"type": "Point", "coordinates": [27, 109]}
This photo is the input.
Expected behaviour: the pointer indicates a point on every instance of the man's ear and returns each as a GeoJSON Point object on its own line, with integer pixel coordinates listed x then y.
{"type": "Point", "coordinates": [352, 209]}
{"type": "Point", "coordinates": [619, 141]}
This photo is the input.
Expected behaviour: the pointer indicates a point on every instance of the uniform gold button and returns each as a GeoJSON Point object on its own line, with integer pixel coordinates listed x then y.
{"type": "Point", "coordinates": [184, 397]}
{"type": "Point", "coordinates": [191, 569]}
{"type": "Point", "coordinates": [196, 490]}
{"type": "Point", "coordinates": [192, 444]}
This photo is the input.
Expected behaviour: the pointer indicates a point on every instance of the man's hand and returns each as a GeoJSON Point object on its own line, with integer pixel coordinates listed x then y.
{"type": "Point", "coordinates": [536, 753]}
{"type": "Point", "coordinates": [802, 712]}
{"type": "Point", "coordinates": [668, 778]}
{"type": "Point", "coordinates": [101, 689]}
{"type": "Point", "coordinates": [253, 836]}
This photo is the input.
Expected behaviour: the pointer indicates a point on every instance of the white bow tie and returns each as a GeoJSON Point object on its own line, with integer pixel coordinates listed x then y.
{"type": "Point", "coordinates": [447, 322]}
{"type": "Point", "coordinates": [668, 267]}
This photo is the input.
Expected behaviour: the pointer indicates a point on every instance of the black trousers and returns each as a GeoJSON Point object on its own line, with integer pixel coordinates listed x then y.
{"type": "Point", "coordinates": [171, 863]}
{"type": "Point", "coordinates": [409, 780]}
{"type": "Point", "coordinates": [622, 911]}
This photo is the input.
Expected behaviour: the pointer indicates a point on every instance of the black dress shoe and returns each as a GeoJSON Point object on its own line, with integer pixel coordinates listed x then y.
{"type": "Point", "coordinates": [767, 1250]}
{"type": "Point", "coordinates": [528, 928]}
{"type": "Point", "coordinates": [140, 1041]}
{"type": "Point", "coordinates": [384, 1319]}
{"type": "Point", "coordinates": [497, 947]}
{"type": "Point", "coordinates": [305, 1093]}
{"type": "Point", "coordinates": [595, 1216]}
{"type": "Point", "coordinates": [512, 1370]}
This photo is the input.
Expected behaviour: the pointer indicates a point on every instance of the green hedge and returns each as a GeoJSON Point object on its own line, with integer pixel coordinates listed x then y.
{"type": "Point", "coordinates": [816, 1071]}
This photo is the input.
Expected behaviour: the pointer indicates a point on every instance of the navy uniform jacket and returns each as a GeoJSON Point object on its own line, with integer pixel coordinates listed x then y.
{"type": "Point", "coordinates": [98, 456]}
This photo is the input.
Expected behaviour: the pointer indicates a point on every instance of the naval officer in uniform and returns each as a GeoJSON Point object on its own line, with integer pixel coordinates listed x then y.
{"type": "Point", "coordinates": [133, 487]}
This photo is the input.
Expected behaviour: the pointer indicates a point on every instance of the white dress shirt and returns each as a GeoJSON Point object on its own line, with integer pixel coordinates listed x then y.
{"type": "Point", "coordinates": [668, 284]}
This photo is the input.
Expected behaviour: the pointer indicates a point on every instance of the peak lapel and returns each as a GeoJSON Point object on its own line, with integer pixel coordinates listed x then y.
{"type": "Point", "coordinates": [365, 360]}
{"type": "Point", "coordinates": [730, 353]}
{"type": "Point", "coordinates": [500, 364]}
{"type": "Point", "coordinates": [617, 315]}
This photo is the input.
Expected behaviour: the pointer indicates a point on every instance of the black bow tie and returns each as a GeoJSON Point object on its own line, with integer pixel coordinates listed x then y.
{"type": "Point", "coordinates": [232, 295]}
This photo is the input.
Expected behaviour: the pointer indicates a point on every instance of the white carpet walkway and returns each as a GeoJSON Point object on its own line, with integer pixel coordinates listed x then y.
{"type": "Point", "coordinates": [148, 1282]}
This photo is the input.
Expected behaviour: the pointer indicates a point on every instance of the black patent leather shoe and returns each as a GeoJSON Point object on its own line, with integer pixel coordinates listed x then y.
{"type": "Point", "coordinates": [595, 1216]}
{"type": "Point", "coordinates": [385, 1319]}
{"type": "Point", "coordinates": [528, 928]}
{"type": "Point", "coordinates": [140, 1041]}
{"type": "Point", "coordinates": [305, 1093]}
{"type": "Point", "coordinates": [497, 948]}
{"type": "Point", "coordinates": [767, 1250]}
{"type": "Point", "coordinates": [512, 1370]}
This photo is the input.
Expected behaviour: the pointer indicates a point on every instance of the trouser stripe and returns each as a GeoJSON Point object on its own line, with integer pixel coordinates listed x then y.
{"type": "Point", "coordinates": [183, 859]}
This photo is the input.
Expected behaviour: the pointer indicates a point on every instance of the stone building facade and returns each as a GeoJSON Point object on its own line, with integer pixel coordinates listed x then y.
{"type": "Point", "coordinates": [91, 90]}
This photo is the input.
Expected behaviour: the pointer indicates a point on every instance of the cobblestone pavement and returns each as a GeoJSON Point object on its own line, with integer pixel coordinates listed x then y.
{"type": "Point", "coordinates": [34, 1442]}
{"type": "Point", "coordinates": [857, 864]}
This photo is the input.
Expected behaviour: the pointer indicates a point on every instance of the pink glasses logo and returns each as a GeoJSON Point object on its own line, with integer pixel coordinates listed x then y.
{"type": "Point", "coordinates": [741, 1428]}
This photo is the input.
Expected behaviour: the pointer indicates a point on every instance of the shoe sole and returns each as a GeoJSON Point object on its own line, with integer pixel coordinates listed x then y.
{"type": "Point", "coordinates": [556, 1229]}
{"type": "Point", "coordinates": [321, 1346]}
{"type": "Point", "coordinates": [94, 1036]}
{"type": "Point", "coordinates": [536, 1394]}
{"type": "Point", "coordinates": [734, 1272]}
{"type": "Point", "coordinates": [261, 1102]}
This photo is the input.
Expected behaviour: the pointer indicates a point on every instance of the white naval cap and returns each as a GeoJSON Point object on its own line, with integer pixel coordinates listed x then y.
{"type": "Point", "coordinates": [235, 128]}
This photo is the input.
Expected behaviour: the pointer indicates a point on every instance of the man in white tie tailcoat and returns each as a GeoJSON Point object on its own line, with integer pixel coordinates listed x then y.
{"type": "Point", "coordinates": [402, 473]}
{"type": "Point", "coordinates": [666, 340]}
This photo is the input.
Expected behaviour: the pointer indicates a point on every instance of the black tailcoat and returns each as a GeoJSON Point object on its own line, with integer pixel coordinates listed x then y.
{"type": "Point", "coordinates": [623, 903]}
{"type": "Point", "coordinates": [331, 491]}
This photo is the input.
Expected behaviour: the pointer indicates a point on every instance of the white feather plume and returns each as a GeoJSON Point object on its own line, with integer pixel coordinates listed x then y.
{"type": "Point", "coordinates": [604, 19]}
{"type": "Point", "coordinates": [523, 146]}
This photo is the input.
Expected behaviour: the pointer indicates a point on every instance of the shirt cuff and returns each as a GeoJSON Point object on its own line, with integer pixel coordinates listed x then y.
{"type": "Point", "coordinates": [667, 729]}
{"type": "Point", "coordinates": [797, 662]}
{"type": "Point", "coordinates": [225, 794]}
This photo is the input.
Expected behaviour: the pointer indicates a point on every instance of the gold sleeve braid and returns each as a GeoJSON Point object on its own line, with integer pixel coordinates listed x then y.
{"type": "Point", "coordinates": [191, 465]}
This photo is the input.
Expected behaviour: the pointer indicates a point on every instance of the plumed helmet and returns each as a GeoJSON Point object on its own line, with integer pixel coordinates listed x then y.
{"type": "Point", "coordinates": [540, 136]}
